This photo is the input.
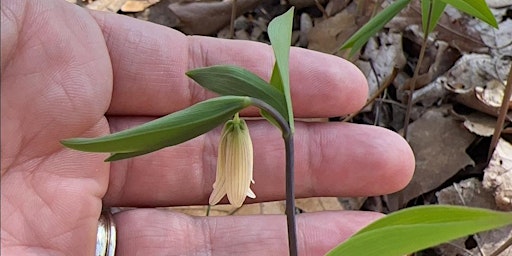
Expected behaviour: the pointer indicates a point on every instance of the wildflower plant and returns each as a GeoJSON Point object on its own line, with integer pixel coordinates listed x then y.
{"type": "Point", "coordinates": [238, 89]}
{"type": "Point", "coordinates": [399, 233]}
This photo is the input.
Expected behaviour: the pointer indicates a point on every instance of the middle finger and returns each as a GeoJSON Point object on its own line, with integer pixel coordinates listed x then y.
{"type": "Point", "coordinates": [331, 159]}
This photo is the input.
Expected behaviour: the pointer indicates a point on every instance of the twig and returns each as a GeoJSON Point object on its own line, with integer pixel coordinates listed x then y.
{"type": "Point", "coordinates": [232, 23]}
{"type": "Point", "coordinates": [386, 84]}
{"type": "Point", "coordinates": [321, 8]}
{"type": "Point", "coordinates": [502, 114]}
{"type": "Point", "coordinates": [412, 82]}
{"type": "Point", "coordinates": [503, 247]}
{"type": "Point", "coordinates": [475, 236]}
{"type": "Point", "coordinates": [377, 106]}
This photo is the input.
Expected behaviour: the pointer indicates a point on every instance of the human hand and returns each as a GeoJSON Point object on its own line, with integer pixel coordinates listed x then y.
{"type": "Point", "coordinates": [68, 72]}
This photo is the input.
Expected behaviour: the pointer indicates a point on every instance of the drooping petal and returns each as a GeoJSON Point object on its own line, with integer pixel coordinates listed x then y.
{"type": "Point", "coordinates": [234, 165]}
{"type": "Point", "coordinates": [251, 194]}
{"type": "Point", "coordinates": [239, 165]}
{"type": "Point", "coordinates": [219, 189]}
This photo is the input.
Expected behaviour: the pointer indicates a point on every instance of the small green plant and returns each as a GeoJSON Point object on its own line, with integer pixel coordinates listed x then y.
{"type": "Point", "coordinates": [431, 11]}
{"type": "Point", "coordinates": [402, 232]}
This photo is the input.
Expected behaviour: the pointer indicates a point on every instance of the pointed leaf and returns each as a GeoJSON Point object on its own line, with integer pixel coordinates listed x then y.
{"type": "Point", "coordinates": [166, 131]}
{"type": "Point", "coordinates": [280, 34]}
{"type": "Point", "coordinates": [356, 41]}
{"type": "Point", "coordinates": [417, 228]}
{"type": "Point", "coordinates": [232, 80]}
{"type": "Point", "coordinates": [121, 156]}
{"type": "Point", "coordinates": [477, 8]}
{"type": "Point", "coordinates": [431, 17]}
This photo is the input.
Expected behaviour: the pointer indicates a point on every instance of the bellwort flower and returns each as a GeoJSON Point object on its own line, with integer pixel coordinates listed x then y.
{"type": "Point", "coordinates": [234, 164]}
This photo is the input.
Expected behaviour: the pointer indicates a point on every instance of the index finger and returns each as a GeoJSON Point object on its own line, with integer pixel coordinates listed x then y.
{"type": "Point", "coordinates": [149, 62]}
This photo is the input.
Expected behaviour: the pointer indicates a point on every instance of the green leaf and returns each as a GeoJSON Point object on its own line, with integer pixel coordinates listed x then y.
{"type": "Point", "coordinates": [356, 41]}
{"type": "Point", "coordinates": [163, 132]}
{"type": "Point", "coordinates": [280, 34]}
{"type": "Point", "coordinates": [232, 80]}
{"type": "Point", "coordinates": [477, 8]}
{"type": "Point", "coordinates": [418, 228]}
{"type": "Point", "coordinates": [431, 17]}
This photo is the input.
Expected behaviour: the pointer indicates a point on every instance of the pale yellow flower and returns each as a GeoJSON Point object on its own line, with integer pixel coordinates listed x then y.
{"type": "Point", "coordinates": [234, 164]}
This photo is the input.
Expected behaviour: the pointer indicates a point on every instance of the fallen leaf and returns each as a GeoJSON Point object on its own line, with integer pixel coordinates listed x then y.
{"type": "Point", "coordinates": [385, 53]}
{"type": "Point", "coordinates": [473, 70]}
{"type": "Point", "coordinates": [318, 204]}
{"type": "Point", "coordinates": [335, 6]}
{"type": "Point", "coordinates": [480, 124]}
{"type": "Point", "coordinates": [327, 35]}
{"type": "Point", "coordinates": [498, 175]}
{"type": "Point", "coordinates": [439, 144]}
{"type": "Point", "coordinates": [137, 5]}
{"type": "Point", "coordinates": [106, 5]}
{"type": "Point", "coordinates": [471, 193]}
{"type": "Point", "coordinates": [498, 3]}
{"type": "Point", "coordinates": [452, 27]}
{"type": "Point", "coordinates": [492, 94]}
{"type": "Point", "coordinates": [495, 38]}
{"type": "Point", "coordinates": [207, 18]}
{"type": "Point", "coordinates": [314, 204]}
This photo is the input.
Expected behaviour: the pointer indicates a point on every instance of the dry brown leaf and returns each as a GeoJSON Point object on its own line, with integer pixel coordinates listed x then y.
{"type": "Point", "coordinates": [496, 38]}
{"type": "Point", "coordinates": [385, 53]}
{"type": "Point", "coordinates": [137, 5]}
{"type": "Point", "coordinates": [471, 193]}
{"type": "Point", "coordinates": [207, 18]}
{"type": "Point", "coordinates": [439, 144]}
{"type": "Point", "coordinates": [106, 5]}
{"type": "Point", "coordinates": [480, 124]}
{"type": "Point", "coordinates": [329, 34]}
{"type": "Point", "coordinates": [469, 99]}
{"type": "Point", "coordinates": [498, 175]}
{"type": "Point", "coordinates": [468, 192]}
{"type": "Point", "coordinates": [492, 94]}
{"type": "Point", "coordinates": [299, 4]}
{"type": "Point", "coordinates": [499, 3]}
{"type": "Point", "coordinates": [315, 204]}
{"type": "Point", "coordinates": [452, 27]}
{"type": "Point", "coordinates": [318, 204]}
{"type": "Point", "coordinates": [335, 6]}
{"type": "Point", "coordinates": [473, 70]}
{"type": "Point", "coordinates": [476, 70]}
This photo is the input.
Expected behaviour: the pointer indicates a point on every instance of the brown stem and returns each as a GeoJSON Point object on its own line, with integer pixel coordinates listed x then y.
{"type": "Point", "coordinates": [232, 23]}
{"type": "Point", "coordinates": [504, 246]}
{"type": "Point", "coordinates": [412, 83]}
{"type": "Point", "coordinates": [502, 114]}
{"type": "Point", "coordinates": [386, 84]}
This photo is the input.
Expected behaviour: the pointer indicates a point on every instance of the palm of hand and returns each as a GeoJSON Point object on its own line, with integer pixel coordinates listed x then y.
{"type": "Point", "coordinates": [56, 83]}
{"type": "Point", "coordinates": [63, 77]}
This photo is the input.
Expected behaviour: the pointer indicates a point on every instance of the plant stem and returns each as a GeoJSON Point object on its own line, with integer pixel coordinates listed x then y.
{"type": "Point", "coordinates": [412, 83]}
{"type": "Point", "coordinates": [290, 196]}
{"type": "Point", "coordinates": [501, 116]}
{"type": "Point", "coordinates": [290, 187]}
{"type": "Point", "coordinates": [232, 22]}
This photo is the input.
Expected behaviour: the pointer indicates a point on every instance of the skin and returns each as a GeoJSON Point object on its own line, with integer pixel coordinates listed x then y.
{"type": "Point", "coordinates": [68, 72]}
